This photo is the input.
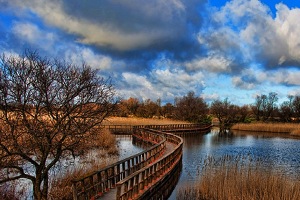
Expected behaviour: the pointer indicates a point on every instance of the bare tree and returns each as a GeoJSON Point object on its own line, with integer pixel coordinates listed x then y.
{"type": "Point", "coordinates": [264, 106]}
{"type": "Point", "coordinates": [257, 107]}
{"type": "Point", "coordinates": [167, 110]}
{"type": "Point", "coordinates": [296, 107]}
{"type": "Point", "coordinates": [48, 111]}
{"type": "Point", "coordinates": [286, 109]}
{"type": "Point", "coordinates": [221, 109]}
{"type": "Point", "coordinates": [191, 108]}
{"type": "Point", "coordinates": [148, 109]}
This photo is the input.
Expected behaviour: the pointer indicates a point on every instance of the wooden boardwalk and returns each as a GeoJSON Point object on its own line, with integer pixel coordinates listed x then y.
{"type": "Point", "coordinates": [151, 174]}
{"type": "Point", "coordinates": [111, 194]}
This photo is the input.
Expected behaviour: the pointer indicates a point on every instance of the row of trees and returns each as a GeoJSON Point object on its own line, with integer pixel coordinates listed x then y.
{"type": "Point", "coordinates": [194, 109]}
{"type": "Point", "coordinates": [188, 108]}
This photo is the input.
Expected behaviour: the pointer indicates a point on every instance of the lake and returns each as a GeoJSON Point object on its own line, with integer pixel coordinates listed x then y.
{"type": "Point", "coordinates": [278, 154]}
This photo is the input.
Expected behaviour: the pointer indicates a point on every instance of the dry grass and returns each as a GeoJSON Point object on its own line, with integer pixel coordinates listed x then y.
{"type": "Point", "coordinates": [140, 121]}
{"type": "Point", "coordinates": [61, 185]}
{"type": "Point", "coordinates": [287, 128]}
{"type": "Point", "coordinates": [235, 178]}
{"type": "Point", "coordinates": [11, 191]}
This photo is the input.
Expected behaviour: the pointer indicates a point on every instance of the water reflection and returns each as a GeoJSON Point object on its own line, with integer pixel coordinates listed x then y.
{"type": "Point", "coordinates": [278, 154]}
{"type": "Point", "coordinates": [126, 147]}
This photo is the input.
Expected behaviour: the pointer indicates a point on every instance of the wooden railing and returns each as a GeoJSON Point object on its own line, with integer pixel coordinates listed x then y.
{"type": "Point", "coordinates": [179, 127]}
{"type": "Point", "coordinates": [173, 128]}
{"type": "Point", "coordinates": [136, 176]}
{"type": "Point", "coordinates": [95, 184]}
{"type": "Point", "coordinates": [139, 183]}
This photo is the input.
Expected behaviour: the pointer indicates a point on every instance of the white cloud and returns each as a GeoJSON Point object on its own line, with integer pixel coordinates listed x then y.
{"type": "Point", "coordinates": [284, 77]}
{"type": "Point", "coordinates": [32, 34]}
{"type": "Point", "coordinates": [177, 79]}
{"type": "Point", "coordinates": [210, 97]}
{"type": "Point", "coordinates": [212, 63]}
{"type": "Point", "coordinates": [244, 31]}
{"type": "Point", "coordinates": [161, 83]}
{"type": "Point", "coordinates": [238, 82]}
{"type": "Point", "coordinates": [87, 56]}
{"type": "Point", "coordinates": [138, 86]}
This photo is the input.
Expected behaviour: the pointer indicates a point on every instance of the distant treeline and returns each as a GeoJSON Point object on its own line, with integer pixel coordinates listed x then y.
{"type": "Point", "coordinates": [194, 109]}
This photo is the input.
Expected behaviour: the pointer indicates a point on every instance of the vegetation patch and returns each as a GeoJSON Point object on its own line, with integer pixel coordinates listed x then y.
{"type": "Point", "coordinates": [140, 121]}
{"type": "Point", "coordinates": [286, 128]}
{"type": "Point", "coordinates": [237, 178]}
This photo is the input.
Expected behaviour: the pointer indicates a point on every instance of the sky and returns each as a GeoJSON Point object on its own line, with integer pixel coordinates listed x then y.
{"type": "Point", "coordinates": [164, 49]}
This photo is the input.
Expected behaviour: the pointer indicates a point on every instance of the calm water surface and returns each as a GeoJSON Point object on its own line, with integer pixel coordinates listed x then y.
{"type": "Point", "coordinates": [126, 148]}
{"type": "Point", "coordinates": [277, 154]}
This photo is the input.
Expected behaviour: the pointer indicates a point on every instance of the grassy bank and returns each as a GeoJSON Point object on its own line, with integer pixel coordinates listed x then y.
{"type": "Point", "coordinates": [234, 178]}
{"type": "Point", "coordinates": [285, 128]}
{"type": "Point", "coordinates": [140, 121]}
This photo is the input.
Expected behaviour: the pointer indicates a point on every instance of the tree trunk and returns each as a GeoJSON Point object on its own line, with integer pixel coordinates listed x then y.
{"type": "Point", "coordinates": [38, 192]}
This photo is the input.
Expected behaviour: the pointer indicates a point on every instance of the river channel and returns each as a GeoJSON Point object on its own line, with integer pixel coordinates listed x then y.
{"type": "Point", "coordinates": [277, 153]}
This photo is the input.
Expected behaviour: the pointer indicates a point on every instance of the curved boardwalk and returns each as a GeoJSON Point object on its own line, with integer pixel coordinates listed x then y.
{"type": "Point", "coordinates": [151, 174]}
{"type": "Point", "coordinates": [113, 192]}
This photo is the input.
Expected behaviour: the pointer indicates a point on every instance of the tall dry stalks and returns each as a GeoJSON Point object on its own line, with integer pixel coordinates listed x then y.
{"type": "Point", "coordinates": [106, 146]}
{"type": "Point", "coordinates": [140, 121]}
{"type": "Point", "coordinates": [286, 128]}
{"type": "Point", "coordinates": [235, 178]}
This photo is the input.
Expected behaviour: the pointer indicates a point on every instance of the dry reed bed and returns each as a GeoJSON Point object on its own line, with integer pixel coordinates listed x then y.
{"type": "Point", "coordinates": [234, 178]}
{"type": "Point", "coordinates": [61, 184]}
{"type": "Point", "coordinates": [140, 121]}
{"type": "Point", "coordinates": [286, 128]}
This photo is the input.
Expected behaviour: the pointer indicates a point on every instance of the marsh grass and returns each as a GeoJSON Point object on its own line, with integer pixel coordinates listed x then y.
{"type": "Point", "coordinates": [235, 178]}
{"type": "Point", "coordinates": [61, 184]}
{"type": "Point", "coordinates": [286, 128]}
{"type": "Point", "coordinates": [106, 147]}
{"type": "Point", "coordinates": [140, 121]}
{"type": "Point", "coordinates": [11, 191]}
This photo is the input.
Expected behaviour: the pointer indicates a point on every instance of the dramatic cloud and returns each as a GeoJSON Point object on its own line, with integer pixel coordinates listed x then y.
{"type": "Point", "coordinates": [122, 25]}
{"type": "Point", "coordinates": [163, 49]}
{"type": "Point", "coordinates": [247, 28]}
{"type": "Point", "coordinates": [161, 83]}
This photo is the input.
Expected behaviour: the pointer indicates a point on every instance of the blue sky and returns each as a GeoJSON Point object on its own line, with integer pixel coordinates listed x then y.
{"type": "Point", "coordinates": [164, 49]}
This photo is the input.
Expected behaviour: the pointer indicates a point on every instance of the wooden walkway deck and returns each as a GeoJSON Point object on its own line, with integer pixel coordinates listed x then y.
{"type": "Point", "coordinates": [111, 194]}
{"type": "Point", "coordinates": [151, 174]}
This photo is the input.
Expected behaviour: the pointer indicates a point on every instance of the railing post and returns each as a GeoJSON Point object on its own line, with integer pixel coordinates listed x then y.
{"type": "Point", "coordinates": [118, 178]}
{"type": "Point", "coordinates": [74, 190]}
{"type": "Point", "coordinates": [126, 190]}
{"type": "Point", "coordinates": [99, 179]}
{"type": "Point", "coordinates": [118, 195]}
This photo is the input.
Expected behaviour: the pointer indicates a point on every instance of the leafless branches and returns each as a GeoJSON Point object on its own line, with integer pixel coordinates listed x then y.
{"type": "Point", "coordinates": [48, 109]}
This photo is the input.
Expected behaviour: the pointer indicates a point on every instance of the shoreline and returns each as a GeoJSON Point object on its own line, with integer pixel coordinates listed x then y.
{"type": "Point", "coordinates": [291, 130]}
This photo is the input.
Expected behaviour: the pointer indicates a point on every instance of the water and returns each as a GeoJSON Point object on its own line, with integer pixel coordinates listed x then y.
{"type": "Point", "coordinates": [277, 154]}
{"type": "Point", "coordinates": [126, 149]}
{"type": "Point", "coordinates": [125, 146]}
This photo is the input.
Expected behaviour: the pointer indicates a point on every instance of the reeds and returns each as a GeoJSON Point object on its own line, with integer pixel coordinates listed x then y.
{"type": "Point", "coordinates": [11, 191]}
{"type": "Point", "coordinates": [235, 178]}
{"type": "Point", "coordinates": [105, 145]}
{"type": "Point", "coordinates": [140, 121]}
{"type": "Point", "coordinates": [287, 128]}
